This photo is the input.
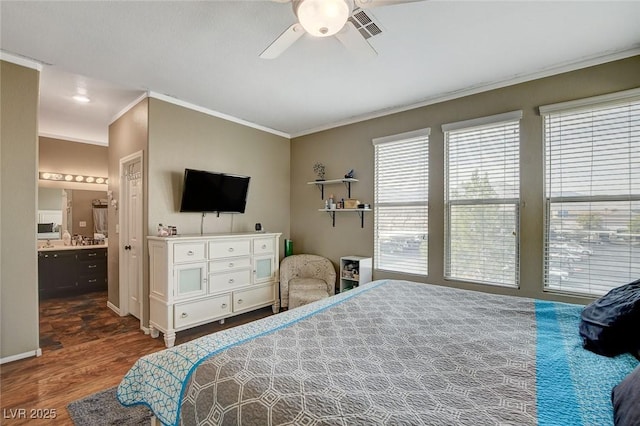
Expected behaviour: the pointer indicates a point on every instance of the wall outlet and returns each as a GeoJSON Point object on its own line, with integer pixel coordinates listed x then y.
{"type": "Point", "coordinates": [82, 224]}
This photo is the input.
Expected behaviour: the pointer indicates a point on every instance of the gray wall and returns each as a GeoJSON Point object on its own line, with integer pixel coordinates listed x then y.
{"type": "Point", "coordinates": [350, 146]}
{"type": "Point", "coordinates": [127, 135]}
{"type": "Point", "coordinates": [18, 199]}
{"type": "Point", "coordinates": [180, 138]}
{"type": "Point", "coordinates": [174, 138]}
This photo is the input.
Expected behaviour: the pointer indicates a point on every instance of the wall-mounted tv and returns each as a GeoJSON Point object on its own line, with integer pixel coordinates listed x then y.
{"type": "Point", "coordinates": [206, 192]}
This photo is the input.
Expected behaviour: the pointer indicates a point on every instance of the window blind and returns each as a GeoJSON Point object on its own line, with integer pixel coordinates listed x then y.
{"type": "Point", "coordinates": [401, 202]}
{"type": "Point", "coordinates": [482, 181]}
{"type": "Point", "coordinates": [592, 221]}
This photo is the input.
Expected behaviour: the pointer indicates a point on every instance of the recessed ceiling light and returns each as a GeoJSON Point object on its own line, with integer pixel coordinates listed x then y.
{"type": "Point", "coordinates": [81, 98]}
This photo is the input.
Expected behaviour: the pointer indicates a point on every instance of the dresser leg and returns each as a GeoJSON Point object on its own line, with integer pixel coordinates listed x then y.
{"type": "Point", "coordinates": [154, 332]}
{"type": "Point", "coordinates": [169, 339]}
{"type": "Point", "coordinates": [276, 307]}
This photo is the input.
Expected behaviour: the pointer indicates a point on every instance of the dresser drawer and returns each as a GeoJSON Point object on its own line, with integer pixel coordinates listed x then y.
{"type": "Point", "coordinates": [188, 313]}
{"type": "Point", "coordinates": [263, 245]}
{"type": "Point", "coordinates": [229, 248]}
{"type": "Point", "coordinates": [230, 264]}
{"type": "Point", "coordinates": [229, 280]}
{"type": "Point", "coordinates": [247, 299]}
{"type": "Point", "coordinates": [188, 252]}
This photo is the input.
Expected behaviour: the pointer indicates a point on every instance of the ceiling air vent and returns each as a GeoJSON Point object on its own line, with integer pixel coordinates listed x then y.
{"type": "Point", "coordinates": [365, 24]}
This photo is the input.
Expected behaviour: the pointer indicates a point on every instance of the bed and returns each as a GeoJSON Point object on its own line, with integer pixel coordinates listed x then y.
{"type": "Point", "coordinates": [388, 352]}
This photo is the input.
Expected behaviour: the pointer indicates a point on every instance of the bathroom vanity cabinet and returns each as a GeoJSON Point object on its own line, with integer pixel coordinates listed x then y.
{"type": "Point", "coordinates": [71, 271]}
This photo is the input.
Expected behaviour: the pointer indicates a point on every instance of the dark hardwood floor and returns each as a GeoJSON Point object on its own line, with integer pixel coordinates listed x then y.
{"type": "Point", "coordinates": [86, 348]}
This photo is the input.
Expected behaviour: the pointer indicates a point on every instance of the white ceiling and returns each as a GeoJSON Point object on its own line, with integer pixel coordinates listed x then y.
{"type": "Point", "coordinates": [206, 54]}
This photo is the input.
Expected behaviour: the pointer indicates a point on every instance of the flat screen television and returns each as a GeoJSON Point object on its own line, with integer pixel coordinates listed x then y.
{"type": "Point", "coordinates": [206, 192]}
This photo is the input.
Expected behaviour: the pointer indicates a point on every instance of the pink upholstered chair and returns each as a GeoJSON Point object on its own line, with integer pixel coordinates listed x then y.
{"type": "Point", "coordinates": [305, 278]}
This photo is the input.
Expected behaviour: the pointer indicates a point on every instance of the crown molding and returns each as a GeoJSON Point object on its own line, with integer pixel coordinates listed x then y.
{"type": "Point", "coordinates": [70, 139]}
{"type": "Point", "coordinates": [217, 114]}
{"type": "Point", "coordinates": [124, 110]}
{"type": "Point", "coordinates": [20, 60]}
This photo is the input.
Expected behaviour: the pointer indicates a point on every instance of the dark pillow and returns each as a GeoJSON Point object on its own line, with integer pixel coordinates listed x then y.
{"type": "Point", "coordinates": [626, 400]}
{"type": "Point", "coordinates": [609, 325]}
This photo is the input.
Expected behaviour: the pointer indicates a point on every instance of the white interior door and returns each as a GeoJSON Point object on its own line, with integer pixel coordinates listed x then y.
{"type": "Point", "coordinates": [131, 238]}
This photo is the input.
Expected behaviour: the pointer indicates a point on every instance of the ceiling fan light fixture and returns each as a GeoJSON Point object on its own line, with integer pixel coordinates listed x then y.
{"type": "Point", "coordinates": [323, 18]}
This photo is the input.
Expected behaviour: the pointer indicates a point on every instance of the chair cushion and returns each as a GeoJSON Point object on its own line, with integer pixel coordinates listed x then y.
{"type": "Point", "coordinates": [306, 290]}
{"type": "Point", "coordinates": [307, 284]}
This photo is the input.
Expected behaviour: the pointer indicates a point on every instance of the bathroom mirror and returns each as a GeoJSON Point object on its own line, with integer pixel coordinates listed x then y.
{"type": "Point", "coordinates": [82, 212]}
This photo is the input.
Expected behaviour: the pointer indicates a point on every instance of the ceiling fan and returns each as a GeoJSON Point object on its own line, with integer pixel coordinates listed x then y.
{"type": "Point", "coordinates": [324, 18]}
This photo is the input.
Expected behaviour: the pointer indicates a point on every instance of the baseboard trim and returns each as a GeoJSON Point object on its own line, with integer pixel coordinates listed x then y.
{"type": "Point", "coordinates": [114, 308]}
{"type": "Point", "coordinates": [37, 352]}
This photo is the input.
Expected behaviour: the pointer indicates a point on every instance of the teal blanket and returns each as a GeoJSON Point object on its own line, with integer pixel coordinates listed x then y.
{"type": "Point", "coordinates": [573, 384]}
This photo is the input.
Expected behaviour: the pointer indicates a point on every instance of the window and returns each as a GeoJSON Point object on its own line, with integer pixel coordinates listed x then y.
{"type": "Point", "coordinates": [400, 206]}
{"type": "Point", "coordinates": [482, 199]}
{"type": "Point", "coordinates": [592, 221]}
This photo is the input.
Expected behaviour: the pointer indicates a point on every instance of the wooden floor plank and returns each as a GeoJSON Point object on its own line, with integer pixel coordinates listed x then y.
{"type": "Point", "coordinates": [86, 348]}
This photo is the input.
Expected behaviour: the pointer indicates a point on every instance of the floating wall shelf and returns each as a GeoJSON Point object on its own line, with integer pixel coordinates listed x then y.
{"type": "Point", "coordinates": [321, 183]}
{"type": "Point", "coordinates": [332, 213]}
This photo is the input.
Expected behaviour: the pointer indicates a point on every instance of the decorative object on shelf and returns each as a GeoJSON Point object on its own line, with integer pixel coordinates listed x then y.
{"type": "Point", "coordinates": [332, 203]}
{"type": "Point", "coordinates": [318, 169]}
{"type": "Point", "coordinates": [258, 227]}
{"type": "Point", "coordinates": [349, 174]}
{"type": "Point", "coordinates": [351, 203]}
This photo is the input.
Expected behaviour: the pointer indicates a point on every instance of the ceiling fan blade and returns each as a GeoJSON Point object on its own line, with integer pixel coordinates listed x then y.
{"type": "Point", "coordinates": [283, 42]}
{"type": "Point", "coordinates": [368, 4]}
{"type": "Point", "coordinates": [353, 40]}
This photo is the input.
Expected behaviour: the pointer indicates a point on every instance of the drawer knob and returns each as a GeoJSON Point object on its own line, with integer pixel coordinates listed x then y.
{"type": "Point", "coordinates": [92, 254]}
{"type": "Point", "coordinates": [230, 249]}
{"type": "Point", "coordinates": [264, 246]}
{"type": "Point", "coordinates": [93, 266]}
{"type": "Point", "coordinates": [93, 280]}
{"type": "Point", "coordinates": [230, 264]}
{"type": "Point", "coordinates": [224, 305]}
{"type": "Point", "coordinates": [184, 315]}
{"type": "Point", "coordinates": [231, 280]}
{"type": "Point", "coordinates": [239, 301]}
{"type": "Point", "coordinates": [190, 253]}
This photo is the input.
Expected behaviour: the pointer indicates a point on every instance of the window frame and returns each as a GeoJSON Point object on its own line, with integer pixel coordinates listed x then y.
{"type": "Point", "coordinates": [570, 107]}
{"type": "Point", "coordinates": [406, 137]}
{"type": "Point", "coordinates": [496, 120]}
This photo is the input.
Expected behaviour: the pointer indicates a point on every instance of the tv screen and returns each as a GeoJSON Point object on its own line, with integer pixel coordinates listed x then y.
{"type": "Point", "coordinates": [205, 192]}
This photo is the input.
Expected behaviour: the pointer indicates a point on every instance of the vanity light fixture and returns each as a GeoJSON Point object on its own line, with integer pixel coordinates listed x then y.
{"type": "Point", "coordinates": [72, 178]}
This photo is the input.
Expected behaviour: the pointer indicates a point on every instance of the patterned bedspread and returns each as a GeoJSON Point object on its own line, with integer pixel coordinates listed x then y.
{"type": "Point", "coordinates": [389, 352]}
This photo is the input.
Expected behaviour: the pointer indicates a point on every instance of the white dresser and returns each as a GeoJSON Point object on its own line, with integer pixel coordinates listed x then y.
{"type": "Point", "coordinates": [196, 279]}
